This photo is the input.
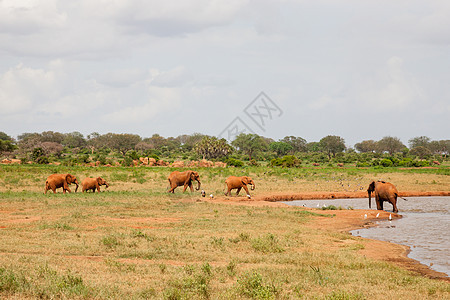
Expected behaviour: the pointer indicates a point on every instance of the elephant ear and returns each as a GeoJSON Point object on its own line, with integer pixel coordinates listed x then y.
{"type": "Point", "coordinates": [68, 178]}
{"type": "Point", "coordinates": [244, 180]}
{"type": "Point", "coordinates": [189, 175]}
{"type": "Point", "coordinates": [371, 187]}
{"type": "Point", "coordinates": [99, 180]}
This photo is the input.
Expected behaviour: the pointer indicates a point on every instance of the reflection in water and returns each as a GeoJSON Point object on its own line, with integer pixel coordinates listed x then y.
{"type": "Point", "coordinates": [425, 226]}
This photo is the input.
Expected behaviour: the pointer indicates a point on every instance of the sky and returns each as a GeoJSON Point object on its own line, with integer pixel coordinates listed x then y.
{"type": "Point", "coordinates": [357, 69]}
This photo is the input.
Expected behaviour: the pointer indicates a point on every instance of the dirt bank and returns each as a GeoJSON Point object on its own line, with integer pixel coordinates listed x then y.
{"type": "Point", "coordinates": [338, 195]}
{"type": "Point", "coordinates": [346, 220]}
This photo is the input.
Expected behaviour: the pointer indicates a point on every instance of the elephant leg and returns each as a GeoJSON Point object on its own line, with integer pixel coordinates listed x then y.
{"type": "Point", "coordinates": [185, 187]}
{"type": "Point", "coordinates": [394, 205]}
{"type": "Point", "coordinates": [191, 187]}
{"type": "Point", "coordinates": [246, 189]}
{"type": "Point", "coordinates": [172, 188]}
{"type": "Point", "coordinates": [238, 190]}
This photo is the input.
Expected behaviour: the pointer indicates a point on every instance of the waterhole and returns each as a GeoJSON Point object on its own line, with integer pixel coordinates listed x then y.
{"type": "Point", "coordinates": [425, 226]}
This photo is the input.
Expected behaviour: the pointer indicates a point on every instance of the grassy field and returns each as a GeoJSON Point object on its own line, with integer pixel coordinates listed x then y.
{"type": "Point", "coordinates": [135, 241]}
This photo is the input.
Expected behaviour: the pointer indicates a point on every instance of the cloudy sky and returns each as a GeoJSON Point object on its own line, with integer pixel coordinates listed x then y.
{"type": "Point", "coordinates": [357, 69]}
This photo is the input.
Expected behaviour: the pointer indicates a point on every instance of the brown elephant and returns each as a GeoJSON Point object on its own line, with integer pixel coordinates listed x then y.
{"type": "Point", "coordinates": [234, 182]}
{"type": "Point", "coordinates": [93, 184]}
{"type": "Point", "coordinates": [384, 191]}
{"type": "Point", "coordinates": [56, 181]}
{"type": "Point", "coordinates": [185, 179]}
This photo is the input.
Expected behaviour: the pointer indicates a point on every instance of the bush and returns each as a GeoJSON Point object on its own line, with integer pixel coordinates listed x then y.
{"type": "Point", "coordinates": [253, 163]}
{"type": "Point", "coordinates": [234, 162]}
{"type": "Point", "coordinates": [420, 163]}
{"type": "Point", "coordinates": [386, 162]}
{"type": "Point", "coordinates": [286, 161]}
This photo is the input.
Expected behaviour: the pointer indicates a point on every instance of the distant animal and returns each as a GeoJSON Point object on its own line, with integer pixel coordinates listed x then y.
{"type": "Point", "coordinates": [93, 184]}
{"type": "Point", "coordinates": [203, 193]}
{"type": "Point", "coordinates": [316, 164]}
{"type": "Point", "coordinates": [56, 181]}
{"type": "Point", "coordinates": [340, 165]}
{"type": "Point", "coordinates": [384, 191]}
{"type": "Point", "coordinates": [185, 179]}
{"type": "Point", "coordinates": [435, 162]}
{"type": "Point", "coordinates": [234, 182]}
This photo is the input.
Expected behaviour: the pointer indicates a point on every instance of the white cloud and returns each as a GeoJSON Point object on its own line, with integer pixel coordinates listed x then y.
{"type": "Point", "coordinates": [158, 100]}
{"type": "Point", "coordinates": [21, 87]}
{"type": "Point", "coordinates": [392, 88]}
{"type": "Point", "coordinates": [29, 16]}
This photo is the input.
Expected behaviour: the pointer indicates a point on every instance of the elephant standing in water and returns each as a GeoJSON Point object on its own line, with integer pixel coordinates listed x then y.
{"type": "Point", "coordinates": [56, 181]}
{"type": "Point", "coordinates": [238, 183]}
{"type": "Point", "coordinates": [93, 184]}
{"type": "Point", "coordinates": [185, 179]}
{"type": "Point", "coordinates": [384, 191]}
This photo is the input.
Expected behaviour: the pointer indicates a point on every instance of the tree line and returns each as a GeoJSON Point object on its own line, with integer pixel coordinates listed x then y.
{"type": "Point", "coordinates": [45, 146]}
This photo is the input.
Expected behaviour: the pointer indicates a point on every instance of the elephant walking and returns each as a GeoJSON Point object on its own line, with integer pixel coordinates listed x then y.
{"type": "Point", "coordinates": [93, 184]}
{"type": "Point", "coordinates": [384, 191]}
{"type": "Point", "coordinates": [56, 181]}
{"type": "Point", "coordinates": [238, 183]}
{"type": "Point", "coordinates": [185, 179]}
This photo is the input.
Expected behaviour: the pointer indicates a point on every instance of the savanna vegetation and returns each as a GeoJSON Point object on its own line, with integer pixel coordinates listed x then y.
{"type": "Point", "coordinates": [246, 149]}
{"type": "Point", "coordinates": [136, 241]}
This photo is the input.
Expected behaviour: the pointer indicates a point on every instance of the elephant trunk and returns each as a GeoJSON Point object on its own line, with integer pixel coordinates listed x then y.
{"type": "Point", "coordinates": [76, 187]}
{"type": "Point", "coordinates": [198, 187]}
{"type": "Point", "coordinates": [370, 200]}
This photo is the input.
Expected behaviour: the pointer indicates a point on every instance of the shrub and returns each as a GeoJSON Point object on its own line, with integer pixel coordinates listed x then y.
{"type": "Point", "coordinates": [386, 162]}
{"type": "Point", "coordinates": [234, 162]}
{"type": "Point", "coordinates": [286, 161]}
{"type": "Point", "coordinates": [251, 285]}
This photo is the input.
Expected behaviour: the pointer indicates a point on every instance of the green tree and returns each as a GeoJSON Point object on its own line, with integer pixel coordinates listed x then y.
{"type": "Point", "coordinates": [298, 144]}
{"type": "Point", "coordinates": [441, 147]}
{"type": "Point", "coordinates": [419, 141]}
{"type": "Point", "coordinates": [313, 147]}
{"type": "Point", "coordinates": [249, 144]}
{"type": "Point", "coordinates": [332, 144]}
{"type": "Point", "coordinates": [366, 146]}
{"type": "Point", "coordinates": [420, 151]}
{"type": "Point", "coordinates": [6, 143]}
{"type": "Point", "coordinates": [390, 144]}
{"type": "Point", "coordinates": [74, 140]}
{"type": "Point", "coordinates": [281, 148]}
{"type": "Point", "coordinates": [212, 147]}
{"type": "Point", "coordinates": [189, 141]}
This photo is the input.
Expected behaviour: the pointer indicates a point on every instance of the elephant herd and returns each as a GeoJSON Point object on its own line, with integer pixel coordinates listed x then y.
{"type": "Point", "coordinates": [56, 181]}
{"type": "Point", "coordinates": [383, 191]}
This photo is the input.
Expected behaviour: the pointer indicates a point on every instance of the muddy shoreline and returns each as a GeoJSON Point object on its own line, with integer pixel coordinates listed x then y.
{"type": "Point", "coordinates": [347, 220]}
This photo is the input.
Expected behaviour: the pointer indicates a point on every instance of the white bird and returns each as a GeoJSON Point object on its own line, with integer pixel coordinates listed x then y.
{"type": "Point", "coordinates": [390, 217]}
{"type": "Point", "coordinates": [249, 197]}
{"type": "Point", "coordinates": [211, 196]}
{"type": "Point", "coordinates": [318, 204]}
{"type": "Point", "coordinates": [365, 216]}
{"type": "Point", "coordinates": [378, 214]}
{"type": "Point", "coordinates": [203, 193]}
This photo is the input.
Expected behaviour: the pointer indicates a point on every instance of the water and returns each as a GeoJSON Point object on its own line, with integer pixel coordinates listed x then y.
{"type": "Point", "coordinates": [425, 226]}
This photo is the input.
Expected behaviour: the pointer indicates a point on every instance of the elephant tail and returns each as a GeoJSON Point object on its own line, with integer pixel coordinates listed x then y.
{"type": "Point", "coordinates": [396, 194]}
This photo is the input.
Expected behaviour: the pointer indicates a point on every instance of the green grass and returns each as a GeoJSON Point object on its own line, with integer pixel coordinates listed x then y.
{"type": "Point", "coordinates": [135, 241]}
